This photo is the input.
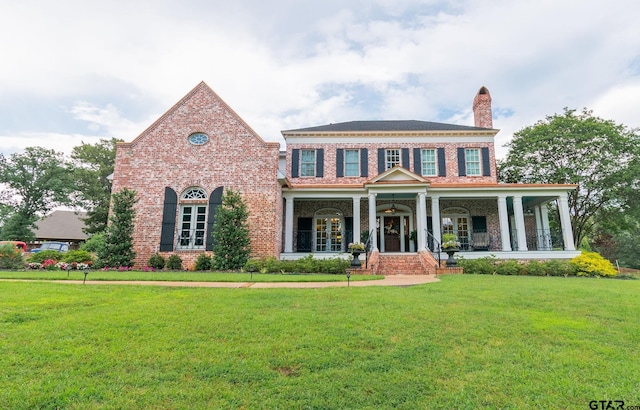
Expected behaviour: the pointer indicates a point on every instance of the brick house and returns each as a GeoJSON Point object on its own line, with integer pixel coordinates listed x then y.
{"type": "Point", "coordinates": [402, 184]}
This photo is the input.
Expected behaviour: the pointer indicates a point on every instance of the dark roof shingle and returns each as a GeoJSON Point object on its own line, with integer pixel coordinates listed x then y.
{"type": "Point", "coordinates": [397, 125]}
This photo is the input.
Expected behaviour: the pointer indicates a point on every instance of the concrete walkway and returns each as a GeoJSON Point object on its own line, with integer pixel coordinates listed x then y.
{"type": "Point", "coordinates": [395, 280]}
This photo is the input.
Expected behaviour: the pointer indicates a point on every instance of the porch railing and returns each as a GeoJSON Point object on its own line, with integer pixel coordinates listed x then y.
{"type": "Point", "coordinates": [433, 244]}
{"type": "Point", "coordinates": [367, 247]}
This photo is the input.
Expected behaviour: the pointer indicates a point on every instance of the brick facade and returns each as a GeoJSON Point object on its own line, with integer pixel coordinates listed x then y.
{"type": "Point", "coordinates": [234, 157]}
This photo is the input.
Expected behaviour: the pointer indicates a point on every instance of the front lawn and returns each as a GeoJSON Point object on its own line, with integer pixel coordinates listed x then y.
{"type": "Point", "coordinates": [469, 341]}
{"type": "Point", "coordinates": [180, 276]}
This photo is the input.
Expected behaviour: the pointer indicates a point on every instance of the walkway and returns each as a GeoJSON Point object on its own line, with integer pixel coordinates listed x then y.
{"type": "Point", "coordinates": [394, 280]}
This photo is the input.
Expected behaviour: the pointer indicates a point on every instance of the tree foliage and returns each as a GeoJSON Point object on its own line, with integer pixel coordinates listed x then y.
{"type": "Point", "coordinates": [93, 165]}
{"type": "Point", "coordinates": [36, 180]}
{"type": "Point", "coordinates": [578, 148]}
{"type": "Point", "coordinates": [232, 245]}
{"type": "Point", "coordinates": [118, 247]}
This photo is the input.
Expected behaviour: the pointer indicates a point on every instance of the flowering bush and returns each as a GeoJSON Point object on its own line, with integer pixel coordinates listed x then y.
{"type": "Point", "coordinates": [450, 241]}
{"type": "Point", "coordinates": [34, 265]}
{"type": "Point", "coordinates": [356, 247]}
{"type": "Point", "coordinates": [49, 264]}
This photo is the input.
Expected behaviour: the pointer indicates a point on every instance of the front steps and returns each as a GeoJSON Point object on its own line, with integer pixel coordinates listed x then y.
{"type": "Point", "coordinates": [405, 264]}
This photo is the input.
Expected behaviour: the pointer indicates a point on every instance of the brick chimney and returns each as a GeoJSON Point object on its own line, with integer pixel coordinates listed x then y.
{"type": "Point", "coordinates": [482, 109]}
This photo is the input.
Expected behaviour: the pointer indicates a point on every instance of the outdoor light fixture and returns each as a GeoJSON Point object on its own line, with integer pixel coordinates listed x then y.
{"type": "Point", "coordinates": [392, 210]}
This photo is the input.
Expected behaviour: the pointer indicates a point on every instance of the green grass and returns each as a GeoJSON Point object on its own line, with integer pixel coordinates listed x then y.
{"type": "Point", "coordinates": [180, 276]}
{"type": "Point", "coordinates": [466, 342]}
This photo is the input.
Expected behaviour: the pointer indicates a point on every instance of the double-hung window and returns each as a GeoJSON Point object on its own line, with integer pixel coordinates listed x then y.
{"type": "Point", "coordinates": [392, 158]}
{"type": "Point", "coordinates": [308, 163]}
{"type": "Point", "coordinates": [472, 162]}
{"type": "Point", "coordinates": [429, 162]}
{"type": "Point", "coordinates": [351, 163]}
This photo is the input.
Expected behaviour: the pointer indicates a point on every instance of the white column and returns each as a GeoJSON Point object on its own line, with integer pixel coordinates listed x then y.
{"type": "Point", "coordinates": [422, 217]}
{"type": "Point", "coordinates": [539, 232]}
{"type": "Point", "coordinates": [372, 222]}
{"type": "Point", "coordinates": [356, 219]}
{"type": "Point", "coordinates": [435, 219]}
{"type": "Point", "coordinates": [565, 221]}
{"type": "Point", "coordinates": [418, 224]}
{"type": "Point", "coordinates": [546, 231]}
{"type": "Point", "coordinates": [503, 216]}
{"type": "Point", "coordinates": [520, 227]}
{"type": "Point", "coordinates": [288, 224]}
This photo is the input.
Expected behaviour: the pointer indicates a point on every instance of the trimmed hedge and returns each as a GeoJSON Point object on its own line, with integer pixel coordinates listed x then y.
{"type": "Point", "coordinates": [587, 264]}
{"type": "Point", "coordinates": [308, 264]}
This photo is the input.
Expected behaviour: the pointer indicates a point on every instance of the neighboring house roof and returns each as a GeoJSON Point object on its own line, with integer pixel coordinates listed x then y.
{"type": "Point", "coordinates": [62, 226]}
{"type": "Point", "coordinates": [399, 125]}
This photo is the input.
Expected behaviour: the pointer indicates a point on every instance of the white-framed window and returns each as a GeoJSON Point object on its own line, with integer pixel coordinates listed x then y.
{"type": "Point", "coordinates": [193, 219]}
{"type": "Point", "coordinates": [329, 225]}
{"type": "Point", "coordinates": [308, 163]}
{"type": "Point", "coordinates": [392, 158]}
{"type": "Point", "coordinates": [472, 159]}
{"type": "Point", "coordinates": [352, 163]}
{"type": "Point", "coordinates": [429, 162]}
{"type": "Point", "coordinates": [456, 221]}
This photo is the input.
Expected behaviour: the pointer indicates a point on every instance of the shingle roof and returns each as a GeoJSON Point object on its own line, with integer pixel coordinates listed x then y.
{"type": "Point", "coordinates": [62, 225]}
{"type": "Point", "coordinates": [397, 125]}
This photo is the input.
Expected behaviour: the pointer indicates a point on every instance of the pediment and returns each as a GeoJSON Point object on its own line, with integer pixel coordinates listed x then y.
{"type": "Point", "coordinates": [398, 174]}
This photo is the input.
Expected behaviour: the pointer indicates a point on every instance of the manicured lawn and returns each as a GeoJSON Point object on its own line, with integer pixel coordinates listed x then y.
{"type": "Point", "coordinates": [180, 276]}
{"type": "Point", "coordinates": [466, 342]}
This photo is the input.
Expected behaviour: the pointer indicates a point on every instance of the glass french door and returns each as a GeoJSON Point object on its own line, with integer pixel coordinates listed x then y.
{"type": "Point", "coordinates": [328, 234]}
{"type": "Point", "coordinates": [459, 226]}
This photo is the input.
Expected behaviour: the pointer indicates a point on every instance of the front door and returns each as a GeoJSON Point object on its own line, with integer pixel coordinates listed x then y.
{"type": "Point", "coordinates": [392, 234]}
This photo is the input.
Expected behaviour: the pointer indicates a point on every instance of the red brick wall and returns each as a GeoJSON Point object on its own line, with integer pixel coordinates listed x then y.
{"type": "Point", "coordinates": [234, 157]}
{"type": "Point", "coordinates": [451, 161]}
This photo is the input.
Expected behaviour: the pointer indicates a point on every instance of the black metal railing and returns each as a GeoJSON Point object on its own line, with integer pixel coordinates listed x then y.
{"type": "Point", "coordinates": [434, 245]}
{"type": "Point", "coordinates": [367, 247]}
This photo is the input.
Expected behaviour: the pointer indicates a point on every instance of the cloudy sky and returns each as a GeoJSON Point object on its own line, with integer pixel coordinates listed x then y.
{"type": "Point", "coordinates": [78, 71]}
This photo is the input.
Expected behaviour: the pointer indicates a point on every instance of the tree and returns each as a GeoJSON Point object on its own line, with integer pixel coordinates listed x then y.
{"type": "Point", "coordinates": [602, 157]}
{"type": "Point", "coordinates": [93, 165]}
{"type": "Point", "coordinates": [37, 180]}
{"type": "Point", "coordinates": [232, 245]}
{"type": "Point", "coordinates": [118, 247]}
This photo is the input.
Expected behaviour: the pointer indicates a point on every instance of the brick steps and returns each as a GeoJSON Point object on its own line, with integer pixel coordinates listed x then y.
{"type": "Point", "coordinates": [402, 264]}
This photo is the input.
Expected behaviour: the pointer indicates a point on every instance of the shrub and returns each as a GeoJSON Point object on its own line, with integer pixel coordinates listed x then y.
{"type": "Point", "coordinates": [79, 256]}
{"type": "Point", "coordinates": [308, 264]}
{"type": "Point", "coordinates": [94, 244]}
{"type": "Point", "coordinates": [174, 262]}
{"type": "Point", "coordinates": [481, 266]}
{"type": "Point", "coordinates": [203, 262]}
{"type": "Point", "coordinates": [157, 261]}
{"type": "Point", "coordinates": [509, 267]}
{"type": "Point", "coordinates": [592, 264]}
{"type": "Point", "coordinates": [559, 268]}
{"type": "Point", "coordinates": [42, 256]}
{"type": "Point", "coordinates": [536, 268]}
{"type": "Point", "coordinates": [10, 257]}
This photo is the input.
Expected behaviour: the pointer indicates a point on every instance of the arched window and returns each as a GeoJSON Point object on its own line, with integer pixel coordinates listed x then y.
{"type": "Point", "coordinates": [193, 219]}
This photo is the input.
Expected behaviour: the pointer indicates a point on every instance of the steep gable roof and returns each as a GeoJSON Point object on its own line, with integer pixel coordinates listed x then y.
{"type": "Point", "coordinates": [390, 125]}
{"type": "Point", "coordinates": [62, 225]}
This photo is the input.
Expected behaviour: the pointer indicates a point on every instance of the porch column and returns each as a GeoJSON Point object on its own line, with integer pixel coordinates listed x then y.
{"type": "Point", "coordinates": [288, 224]}
{"type": "Point", "coordinates": [422, 220]}
{"type": "Point", "coordinates": [435, 219]}
{"type": "Point", "coordinates": [356, 219]}
{"type": "Point", "coordinates": [418, 224]}
{"type": "Point", "coordinates": [503, 216]}
{"type": "Point", "coordinates": [539, 231]}
{"type": "Point", "coordinates": [565, 221]}
{"type": "Point", "coordinates": [372, 222]}
{"type": "Point", "coordinates": [546, 231]}
{"type": "Point", "coordinates": [520, 229]}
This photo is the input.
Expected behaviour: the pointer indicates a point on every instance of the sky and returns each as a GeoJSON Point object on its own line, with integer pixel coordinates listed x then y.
{"type": "Point", "coordinates": [78, 71]}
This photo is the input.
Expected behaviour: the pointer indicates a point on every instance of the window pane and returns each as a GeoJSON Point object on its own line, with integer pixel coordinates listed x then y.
{"type": "Point", "coordinates": [352, 163]}
{"type": "Point", "coordinates": [393, 158]}
{"type": "Point", "coordinates": [472, 156]}
{"type": "Point", "coordinates": [308, 163]}
{"type": "Point", "coordinates": [429, 165]}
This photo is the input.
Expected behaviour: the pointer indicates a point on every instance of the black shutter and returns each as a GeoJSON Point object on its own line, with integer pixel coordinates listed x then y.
{"type": "Point", "coordinates": [486, 167]}
{"type": "Point", "coordinates": [215, 200]}
{"type": "Point", "coordinates": [364, 162]}
{"type": "Point", "coordinates": [168, 220]}
{"type": "Point", "coordinates": [462, 164]}
{"type": "Point", "coordinates": [348, 232]}
{"type": "Point", "coordinates": [305, 231]}
{"type": "Point", "coordinates": [320, 163]}
{"type": "Point", "coordinates": [442, 165]}
{"type": "Point", "coordinates": [295, 163]}
{"type": "Point", "coordinates": [479, 223]}
{"type": "Point", "coordinates": [339, 162]}
{"type": "Point", "coordinates": [405, 158]}
{"type": "Point", "coordinates": [417, 161]}
{"type": "Point", "coordinates": [381, 167]}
